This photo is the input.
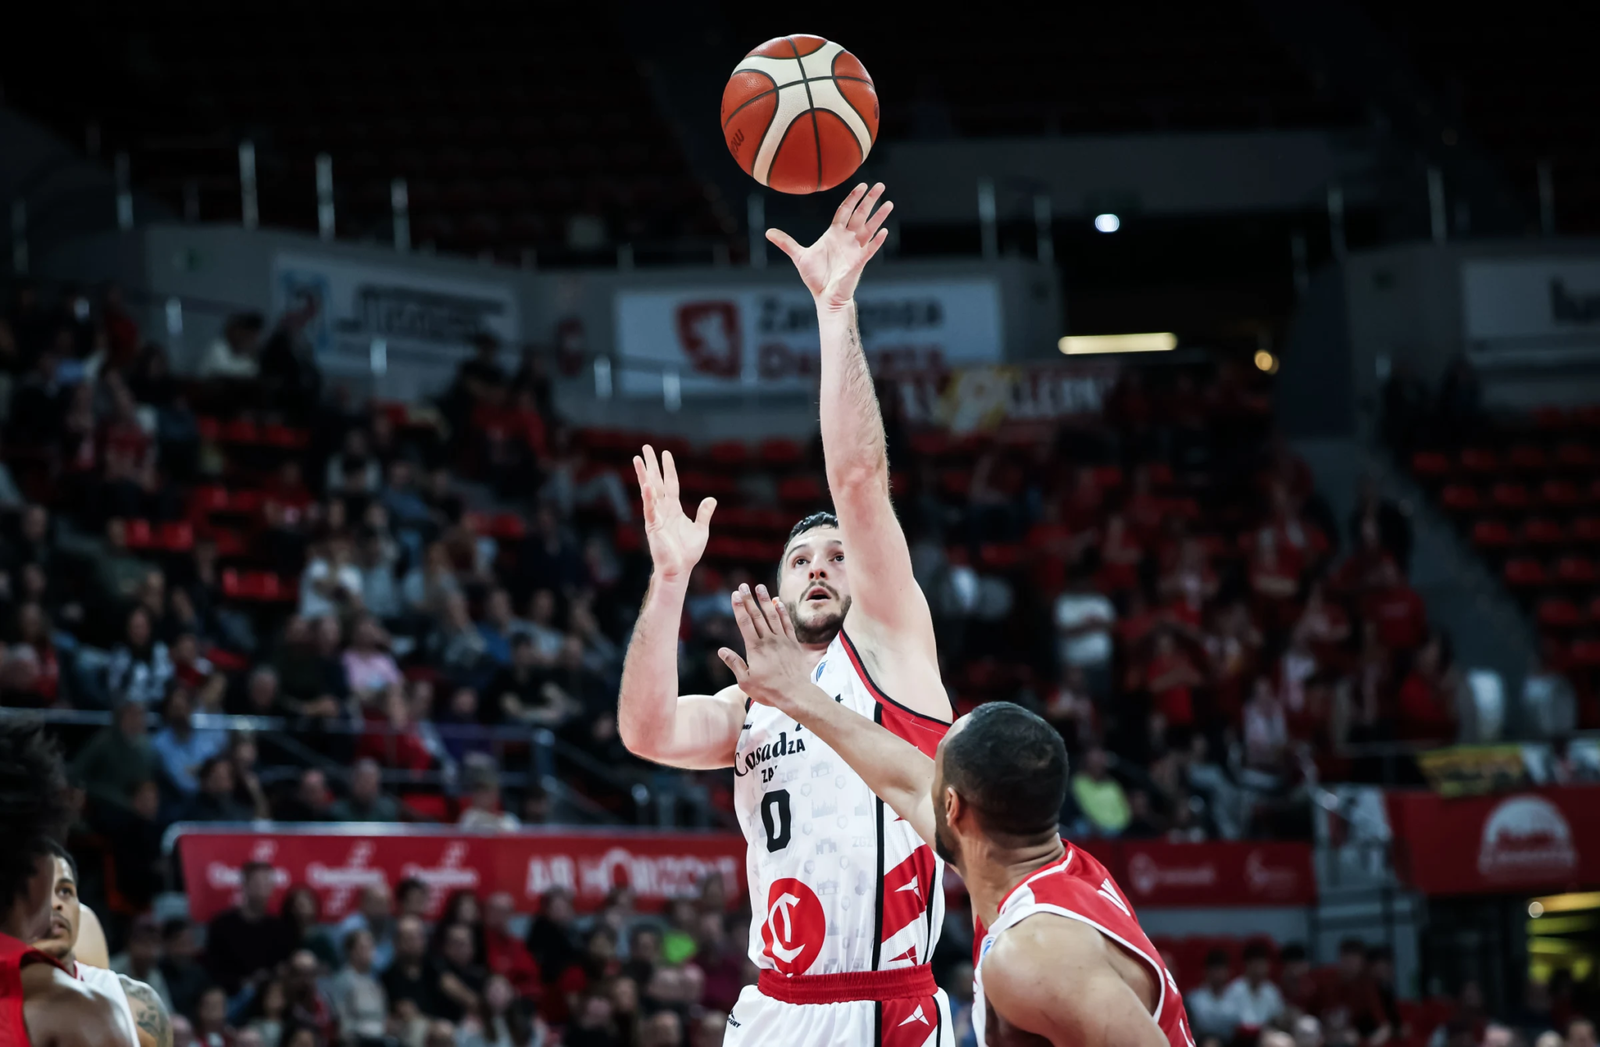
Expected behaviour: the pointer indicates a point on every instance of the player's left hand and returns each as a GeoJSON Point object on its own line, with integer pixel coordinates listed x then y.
{"type": "Point", "coordinates": [776, 673]}
{"type": "Point", "coordinates": [832, 266]}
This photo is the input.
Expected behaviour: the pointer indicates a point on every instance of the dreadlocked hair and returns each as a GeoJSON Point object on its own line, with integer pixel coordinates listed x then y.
{"type": "Point", "coordinates": [34, 812]}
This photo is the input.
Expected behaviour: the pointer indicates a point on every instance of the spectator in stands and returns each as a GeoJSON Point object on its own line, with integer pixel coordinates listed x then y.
{"type": "Point", "coordinates": [550, 558]}
{"type": "Point", "coordinates": [370, 670]}
{"type": "Point", "coordinates": [245, 944]}
{"type": "Point", "coordinates": [358, 999]}
{"type": "Point", "coordinates": [430, 585]}
{"type": "Point", "coordinates": [1347, 999]}
{"type": "Point", "coordinates": [1099, 796]}
{"type": "Point", "coordinates": [181, 747]}
{"type": "Point", "coordinates": [377, 555]}
{"type": "Point", "coordinates": [372, 916]}
{"type": "Point", "coordinates": [497, 627]}
{"type": "Point", "coordinates": [550, 934]}
{"type": "Point", "coordinates": [1266, 730]}
{"type": "Point", "coordinates": [504, 954]}
{"type": "Point", "coordinates": [180, 967]}
{"type": "Point", "coordinates": [461, 979]}
{"type": "Point", "coordinates": [215, 801]}
{"type": "Point", "coordinates": [366, 801]}
{"type": "Point", "coordinates": [1429, 695]}
{"type": "Point", "coordinates": [1084, 619]}
{"type": "Point", "coordinates": [459, 649]}
{"type": "Point", "coordinates": [1251, 998]}
{"type": "Point", "coordinates": [211, 1026]}
{"type": "Point", "coordinates": [140, 667]}
{"type": "Point", "coordinates": [1211, 1013]}
{"type": "Point", "coordinates": [483, 811]}
{"type": "Point", "coordinates": [1400, 614]}
{"type": "Point", "coordinates": [311, 668]}
{"type": "Point", "coordinates": [1380, 968]}
{"type": "Point", "coordinates": [1295, 979]}
{"type": "Point", "coordinates": [118, 758]}
{"type": "Point", "coordinates": [1581, 1033]}
{"type": "Point", "coordinates": [413, 978]}
{"type": "Point", "coordinates": [412, 898]}
{"type": "Point", "coordinates": [332, 582]}
{"type": "Point", "coordinates": [267, 1016]}
{"type": "Point", "coordinates": [141, 958]}
{"type": "Point", "coordinates": [518, 693]}
{"type": "Point", "coordinates": [308, 1007]}
{"type": "Point", "coordinates": [234, 354]}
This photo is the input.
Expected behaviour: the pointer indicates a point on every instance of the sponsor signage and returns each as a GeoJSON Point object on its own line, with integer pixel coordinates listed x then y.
{"type": "Point", "coordinates": [1231, 873]}
{"type": "Point", "coordinates": [1530, 303]}
{"type": "Point", "coordinates": [989, 397]}
{"type": "Point", "coordinates": [1547, 839]}
{"type": "Point", "coordinates": [337, 865]}
{"type": "Point", "coordinates": [1467, 770]}
{"type": "Point", "coordinates": [724, 339]}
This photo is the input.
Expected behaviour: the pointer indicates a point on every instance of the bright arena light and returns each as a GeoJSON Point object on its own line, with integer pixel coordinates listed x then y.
{"type": "Point", "coordinates": [1535, 909]}
{"type": "Point", "coordinates": [1083, 344]}
{"type": "Point", "coordinates": [1265, 361]}
{"type": "Point", "coordinates": [1107, 223]}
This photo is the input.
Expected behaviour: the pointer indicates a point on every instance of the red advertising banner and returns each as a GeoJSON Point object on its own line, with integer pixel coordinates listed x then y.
{"type": "Point", "coordinates": [1156, 873]}
{"type": "Point", "coordinates": [337, 865]}
{"type": "Point", "coordinates": [1545, 839]}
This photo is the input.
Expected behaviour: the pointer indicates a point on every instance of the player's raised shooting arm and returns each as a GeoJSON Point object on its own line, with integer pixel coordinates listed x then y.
{"type": "Point", "coordinates": [883, 589]}
{"type": "Point", "coordinates": [149, 1013]}
{"type": "Point", "coordinates": [777, 674]}
{"type": "Point", "coordinates": [1050, 976]}
{"type": "Point", "coordinates": [694, 731]}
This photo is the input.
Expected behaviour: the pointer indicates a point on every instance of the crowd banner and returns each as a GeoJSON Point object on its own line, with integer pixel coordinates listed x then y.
{"type": "Point", "coordinates": [337, 861]}
{"type": "Point", "coordinates": [384, 319]}
{"type": "Point", "coordinates": [1470, 770]}
{"type": "Point", "coordinates": [1157, 873]}
{"type": "Point", "coordinates": [732, 338]}
{"type": "Point", "coordinates": [990, 397]}
{"type": "Point", "coordinates": [1545, 839]}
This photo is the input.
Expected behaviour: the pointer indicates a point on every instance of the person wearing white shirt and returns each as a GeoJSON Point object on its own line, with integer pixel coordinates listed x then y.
{"type": "Point", "coordinates": [1209, 1012]}
{"type": "Point", "coordinates": [330, 582]}
{"type": "Point", "coordinates": [1083, 618]}
{"type": "Point", "coordinates": [1251, 997]}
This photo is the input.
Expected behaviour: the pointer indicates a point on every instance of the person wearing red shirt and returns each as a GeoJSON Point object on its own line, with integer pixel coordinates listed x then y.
{"type": "Point", "coordinates": [598, 965]}
{"type": "Point", "coordinates": [1401, 615]}
{"type": "Point", "coordinates": [1325, 628]}
{"type": "Point", "coordinates": [1347, 999]}
{"type": "Point", "coordinates": [1144, 509]}
{"type": "Point", "coordinates": [1120, 556]}
{"type": "Point", "coordinates": [1427, 701]}
{"type": "Point", "coordinates": [1170, 678]}
{"type": "Point", "coordinates": [503, 952]}
{"type": "Point", "coordinates": [1274, 580]}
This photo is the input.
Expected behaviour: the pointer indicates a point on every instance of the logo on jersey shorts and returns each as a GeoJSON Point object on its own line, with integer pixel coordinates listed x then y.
{"type": "Point", "coordinates": [795, 926]}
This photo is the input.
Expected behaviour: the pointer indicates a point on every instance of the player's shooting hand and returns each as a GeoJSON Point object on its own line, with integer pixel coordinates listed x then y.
{"type": "Point", "coordinates": [777, 673]}
{"type": "Point", "coordinates": [676, 542]}
{"type": "Point", "coordinates": [832, 266]}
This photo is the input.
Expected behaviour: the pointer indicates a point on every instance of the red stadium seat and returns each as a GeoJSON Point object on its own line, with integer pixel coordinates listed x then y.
{"type": "Point", "coordinates": [1000, 557]}
{"type": "Point", "coordinates": [1560, 494]}
{"type": "Point", "coordinates": [1460, 498]}
{"type": "Point", "coordinates": [210, 428]}
{"type": "Point", "coordinates": [1550, 418]}
{"type": "Point", "coordinates": [1491, 534]}
{"type": "Point", "coordinates": [1576, 570]}
{"type": "Point", "coordinates": [1559, 613]}
{"type": "Point", "coordinates": [1528, 458]}
{"type": "Point", "coordinates": [1586, 529]}
{"type": "Point", "coordinates": [1476, 460]}
{"type": "Point", "coordinates": [1524, 572]}
{"type": "Point", "coordinates": [139, 534]}
{"type": "Point", "coordinates": [728, 453]}
{"type": "Point", "coordinates": [930, 443]}
{"type": "Point", "coordinates": [241, 431]}
{"type": "Point", "coordinates": [1586, 653]}
{"type": "Point", "coordinates": [1510, 496]}
{"type": "Point", "coordinates": [1575, 456]}
{"type": "Point", "coordinates": [1430, 465]}
{"type": "Point", "coordinates": [258, 587]}
{"type": "Point", "coordinates": [285, 437]}
{"type": "Point", "coordinates": [1542, 531]}
{"type": "Point", "coordinates": [781, 451]}
{"type": "Point", "coordinates": [508, 527]}
{"type": "Point", "coordinates": [177, 536]}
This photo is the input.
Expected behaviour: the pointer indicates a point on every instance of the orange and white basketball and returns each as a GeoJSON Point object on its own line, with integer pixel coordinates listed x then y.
{"type": "Point", "coordinates": [800, 114]}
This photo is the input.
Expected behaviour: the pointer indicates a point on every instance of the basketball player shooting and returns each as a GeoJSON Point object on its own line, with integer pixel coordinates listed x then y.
{"type": "Point", "coordinates": [144, 1008]}
{"type": "Point", "coordinates": [41, 1004]}
{"type": "Point", "coordinates": [1059, 957]}
{"type": "Point", "coordinates": [847, 900]}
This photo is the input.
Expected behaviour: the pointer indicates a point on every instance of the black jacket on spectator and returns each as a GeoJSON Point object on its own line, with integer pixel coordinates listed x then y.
{"type": "Point", "coordinates": [420, 985]}
{"type": "Point", "coordinates": [238, 947]}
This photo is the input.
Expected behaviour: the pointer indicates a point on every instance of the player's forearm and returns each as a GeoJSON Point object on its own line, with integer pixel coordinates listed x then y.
{"type": "Point", "coordinates": [647, 703]}
{"type": "Point", "coordinates": [894, 769]}
{"type": "Point", "coordinates": [853, 442]}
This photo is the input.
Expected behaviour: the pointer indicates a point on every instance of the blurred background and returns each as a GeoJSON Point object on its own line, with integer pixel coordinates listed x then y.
{"type": "Point", "coordinates": [1241, 370]}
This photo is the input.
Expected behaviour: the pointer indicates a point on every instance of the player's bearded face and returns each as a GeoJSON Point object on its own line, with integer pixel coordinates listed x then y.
{"type": "Point", "coordinates": [818, 618]}
{"type": "Point", "coordinates": [61, 933]}
{"type": "Point", "coordinates": [814, 586]}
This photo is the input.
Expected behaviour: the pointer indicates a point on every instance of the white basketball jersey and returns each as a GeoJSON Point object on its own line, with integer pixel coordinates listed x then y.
{"type": "Point", "coordinates": [838, 882]}
{"type": "Point", "coordinates": [108, 983]}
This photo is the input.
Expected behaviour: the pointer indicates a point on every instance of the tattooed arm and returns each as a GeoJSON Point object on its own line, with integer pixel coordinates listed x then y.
{"type": "Point", "coordinates": [149, 1014]}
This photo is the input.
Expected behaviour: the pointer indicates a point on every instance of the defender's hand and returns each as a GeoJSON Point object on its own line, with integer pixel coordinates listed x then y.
{"type": "Point", "coordinates": [676, 542]}
{"type": "Point", "coordinates": [832, 266]}
{"type": "Point", "coordinates": [777, 673]}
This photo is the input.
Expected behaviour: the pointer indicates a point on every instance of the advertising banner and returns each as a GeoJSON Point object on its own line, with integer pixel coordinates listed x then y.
{"type": "Point", "coordinates": [1470, 770]}
{"type": "Point", "coordinates": [384, 319]}
{"type": "Point", "coordinates": [1529, 303]}
{"type": "Point", "coordinates": [988, 397]}
{"type": "Point", "coordinates": [1221, 873]}
{"type": "Point", "coordinates": [337, 865]}
{"type": "Point", "coordinates": [724, 339]}
{"type": "Point", "coordinates": [1548, 839]}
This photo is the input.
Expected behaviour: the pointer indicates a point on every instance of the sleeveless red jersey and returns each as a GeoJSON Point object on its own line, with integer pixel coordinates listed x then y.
{"type": "Point", "coordinates": [14, 955]}
{"type": "Point", "coordinates": [1077, 887]}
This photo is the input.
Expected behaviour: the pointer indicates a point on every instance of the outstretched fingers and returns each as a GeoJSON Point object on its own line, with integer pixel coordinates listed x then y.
{"type": "Point", "coordinates": [785, 624]}
{"type": "Point", "coordinates": [751, 623]}
{"type": "Point", "coordinates": [876, 221]}
{"type": "Point", "coordinates": [785, 243]}
{"type": "Point", "coordinates": [741, 671]}
{"type": "Point", "coordinates": [669, 473]}
{"type": "Point", "coordinates": [864, 207]}
{"type": "Point", "coordinates": [763, 605]}
{"type": "Point", "coordinates": [702, 516]}
{"type": "Point", "coordinates": [847, 207]}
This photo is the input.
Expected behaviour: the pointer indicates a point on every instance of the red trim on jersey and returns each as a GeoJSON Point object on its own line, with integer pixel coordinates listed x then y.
{"type": "Point", "coordinates": [15, 955]}
{"type": "Point", "coordinates": [903, 722]}
{"type": "Point", "coordinates": [907, 893]}
{"type": "Point", "coordinates": [909, 1022]}
{"type": "Point", "coordinates": [899, 984]}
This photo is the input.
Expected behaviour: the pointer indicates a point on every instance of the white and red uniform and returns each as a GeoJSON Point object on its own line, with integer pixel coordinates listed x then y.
{"type": "Point", "coordinates": [1077, 887]}
{"type": "Point", "coordinates": [108, 983]}
{"type": "Point", "coordinates": [847, 898]}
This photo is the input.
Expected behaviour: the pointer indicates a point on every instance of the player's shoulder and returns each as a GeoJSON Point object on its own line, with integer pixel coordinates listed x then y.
{"type": "Point", "coordinates": [1034, 939]}
{"type": "Point", "coordinates": [62, 1011]}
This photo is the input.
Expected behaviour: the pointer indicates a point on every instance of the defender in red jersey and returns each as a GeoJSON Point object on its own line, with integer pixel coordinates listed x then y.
{"type": "Point", "coordinates": [1060, 957]}
{"type": "Point", "coordinates": [40, 1004]}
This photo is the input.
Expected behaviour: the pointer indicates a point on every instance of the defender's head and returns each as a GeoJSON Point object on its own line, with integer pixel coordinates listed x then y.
{"type": "Point", "coordinates": [34, 811]}
{"type": "Point", "coordinates": [65, 912]}
{"type": "Point", "coordinates": [812, 582]}
{"type": "Point", "coordinates": [999, 779]}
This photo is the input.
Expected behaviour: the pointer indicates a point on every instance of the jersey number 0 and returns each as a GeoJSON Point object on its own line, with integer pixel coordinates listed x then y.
{"type": "Point", "coordinates": [775, 818]}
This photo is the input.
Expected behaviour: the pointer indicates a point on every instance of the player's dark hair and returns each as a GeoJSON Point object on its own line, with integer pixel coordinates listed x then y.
{"type": "Point", "coordinates": [811, 523]}
{"type": "Point", "coordinates": [34, 811]}
{"type": "Point", "coordinates": [1012, 767]}
{"type": "Point", "coordinates": [66, 856]}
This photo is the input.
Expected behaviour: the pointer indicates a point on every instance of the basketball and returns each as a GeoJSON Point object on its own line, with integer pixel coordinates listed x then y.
{"type": "Point", "coordinates": [800, 114]}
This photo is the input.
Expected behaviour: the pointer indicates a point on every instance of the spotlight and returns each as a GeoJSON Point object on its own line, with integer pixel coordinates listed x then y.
{"type": "Point", "coordinates": [1265, 361]}
{"type": "Point", "coordinates": [1107, 223]}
